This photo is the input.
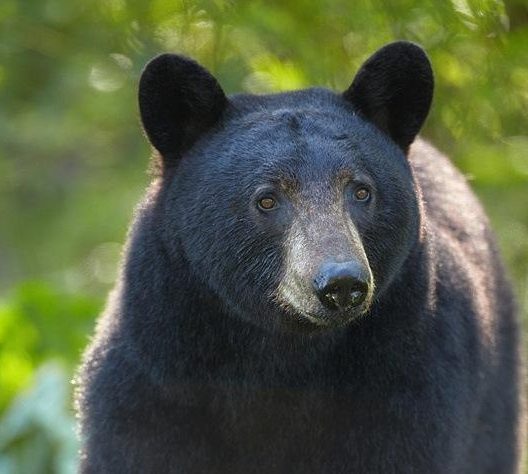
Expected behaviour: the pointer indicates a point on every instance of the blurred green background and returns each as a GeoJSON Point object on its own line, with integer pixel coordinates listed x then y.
{"type": "Point", "coordinates": [73, 159]}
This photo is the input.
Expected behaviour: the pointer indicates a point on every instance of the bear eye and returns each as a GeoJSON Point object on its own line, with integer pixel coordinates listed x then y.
{"type": "Point", "coordinates": [267, 203]}
{"type": "Point", "coordinates": [361, 194]}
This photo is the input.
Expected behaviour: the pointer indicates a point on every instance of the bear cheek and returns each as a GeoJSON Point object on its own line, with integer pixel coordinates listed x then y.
{"type": "Point", "coordinates": [387, 245]}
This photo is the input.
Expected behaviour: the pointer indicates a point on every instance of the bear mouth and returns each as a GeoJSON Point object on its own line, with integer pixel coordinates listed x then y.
{"type": "Point", "coordinates": [302, 312]}
{"type": "Point", "coordinates": [316, 320]}
{"type": "Point", "coordinates": [302, 319]}
{"type": "Point", "coordinates": [313, 323]}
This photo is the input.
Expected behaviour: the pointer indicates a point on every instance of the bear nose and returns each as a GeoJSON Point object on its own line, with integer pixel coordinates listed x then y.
{"type": "Point", "coordinates": [341, 285]}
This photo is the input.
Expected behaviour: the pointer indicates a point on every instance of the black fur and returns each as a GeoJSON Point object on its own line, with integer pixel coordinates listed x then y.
{"type": "Point", "coordinates": [178, 101]}
{"type": "Point", "coordinates": [394, 89]}
{"type": "Point", "coordinates": [215, 356]}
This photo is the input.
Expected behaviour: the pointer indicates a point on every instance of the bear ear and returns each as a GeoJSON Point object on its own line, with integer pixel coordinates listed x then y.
{"type": "Point", "coordinates": [178, 101]}
{"type": "Point", "coordinates": [393, 90]}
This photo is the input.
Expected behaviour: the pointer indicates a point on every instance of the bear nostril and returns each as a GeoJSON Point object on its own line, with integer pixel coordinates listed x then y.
{"type": "Point", "coordinates": [341, 297]}
{"type": "Point", "coordinates": [357, 297]}
{"type": "Point", "coordinates": [341, 286]}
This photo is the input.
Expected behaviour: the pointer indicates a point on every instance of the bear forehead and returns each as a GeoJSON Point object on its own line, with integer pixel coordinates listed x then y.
{"type": "Point", "coordinates": [289, 109]}
{"type": "Point", "coordinates": [294, 139]}
{"type": "Point", "coordinates": [298, 121]}
{"type": "Point", "coordinates": [302, 138]}
{"type": "Point", "coordinates": [288, 142]}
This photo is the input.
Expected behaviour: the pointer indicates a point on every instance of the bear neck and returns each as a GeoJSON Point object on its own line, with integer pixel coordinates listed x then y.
{"type": "Point", "coordinates": [178, 330]}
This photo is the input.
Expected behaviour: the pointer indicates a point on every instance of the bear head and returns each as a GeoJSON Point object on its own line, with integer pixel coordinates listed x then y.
{"type": "Point", "coordinates": [297, 210]}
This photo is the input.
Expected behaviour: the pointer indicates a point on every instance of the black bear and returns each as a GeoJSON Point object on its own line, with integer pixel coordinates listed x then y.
{"type": "Point", "coordinates": [304, 290]}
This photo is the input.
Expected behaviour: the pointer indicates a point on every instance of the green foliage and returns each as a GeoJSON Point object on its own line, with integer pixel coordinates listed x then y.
{"type": "Point", "coordinates": [38, 323]}
{"type": "Point", "coordinates": [37, 433]}
{"type": "Point", "coordinates": [73, 160]}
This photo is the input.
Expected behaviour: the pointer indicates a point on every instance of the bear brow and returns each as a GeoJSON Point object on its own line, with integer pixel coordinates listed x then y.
{"type": "Point", "coordinates": [282, 177]}
{"type": "Point", "coordinates": [289, 185]}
